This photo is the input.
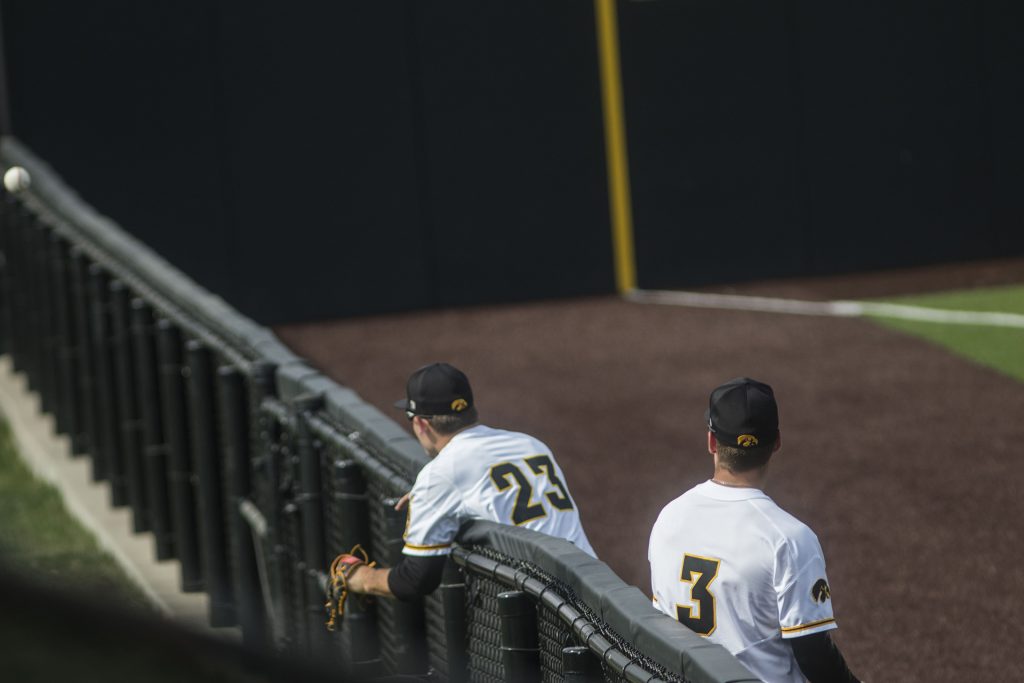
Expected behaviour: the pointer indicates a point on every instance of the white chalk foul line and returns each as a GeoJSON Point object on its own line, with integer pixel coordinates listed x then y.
{"type": "Point", "coordinates": [841, 309]}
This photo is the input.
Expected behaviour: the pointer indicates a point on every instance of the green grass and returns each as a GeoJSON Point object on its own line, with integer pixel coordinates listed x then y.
{"type": "Point", "coordinates": [1000, 348]}
{"type": "Point", "coordinates": [41, 541]}
{"type": "Point", "coordinates": [1008, 299]}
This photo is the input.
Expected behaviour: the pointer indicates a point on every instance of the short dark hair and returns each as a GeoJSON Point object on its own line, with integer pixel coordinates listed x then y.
{"type": "Point", "coordinates": [736, 459]}
{"type": "Point", "coordinates": [449, 424]}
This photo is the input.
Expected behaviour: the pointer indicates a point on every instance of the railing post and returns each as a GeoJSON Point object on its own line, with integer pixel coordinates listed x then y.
{"type": "Point", "coordinates": [268, 474]}
{"type": "Point", "coordinates": [235, 435]}
{"type": "Point", "coordinates": [261, 490]}
{"type": "Point", "coordinates": [207, 467]}
{"type": "Point", "coordinates": [5, 274]}
{"type": "Point", "coordinates": [30, 309]}
{"type": "Point", "coordinates": [311, 513]}
{"type": "Point", "coordinates": [68, 412]}
{"type": "Point", "coordinates": [453, 601]}
{"type": "Point", "coordinates": [183, 510]}
{"type": "Point", "coordinates": [87, 439]}
{"type": "Point", "coordinates": [107, 463]}
{"type": "Point", "coordinates": [292, 565]}
{"type": "Point", "coordinates": [19, 287]}
{"type": "Point", "coordinates": [409, 626]}
{"type": "Point", "coordinates": [289, 560]}
{"type": "Point", "coordinates": [520, 651]}
{"type": "Point", "coordinates": [20, 276]}
{"type": "Point", "coordinates": [27, 285]}
{"type": "Point", "coordinates": [275, 488]}
{"type": "Point", "coordinates": [358, 629]}
{"type": "Point", "coordinates": [45, 339]}
{"type": "Point", "coordinates": [130, 423]}
{"type": "Point", "coordinates": [580, 665]}
{"type": "Point", "coordinates": [154, 448]}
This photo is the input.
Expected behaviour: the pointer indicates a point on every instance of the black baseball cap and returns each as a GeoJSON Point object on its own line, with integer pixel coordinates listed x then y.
{"type": "Point", "coordinates": [743, 413]}
{"type": "Point", "coordinates": [436, 389]}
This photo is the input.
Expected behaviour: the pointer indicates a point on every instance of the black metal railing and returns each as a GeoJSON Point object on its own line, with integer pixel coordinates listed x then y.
{"type": "Point", "coordinates": [253, 470]}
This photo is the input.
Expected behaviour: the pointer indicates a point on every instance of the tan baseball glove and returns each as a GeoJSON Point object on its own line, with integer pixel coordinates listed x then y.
{"type": "Point", "coordinates": [337, 590]}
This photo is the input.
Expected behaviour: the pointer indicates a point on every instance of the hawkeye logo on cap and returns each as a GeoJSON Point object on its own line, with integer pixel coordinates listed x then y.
{"type": "Point", "coordinates": [459, 404]}
{"type": "Point", "coordinates": [746, 440]}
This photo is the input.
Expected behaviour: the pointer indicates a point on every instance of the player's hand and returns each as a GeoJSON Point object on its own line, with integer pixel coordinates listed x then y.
{"type": "Point", "coordinates": [343, 570]}
{"type": "Point", "coordinates": [403, 501]}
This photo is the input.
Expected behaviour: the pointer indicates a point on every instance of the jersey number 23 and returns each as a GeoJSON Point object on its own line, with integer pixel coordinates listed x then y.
{"type": "Point", "coordinates": [506, 474]}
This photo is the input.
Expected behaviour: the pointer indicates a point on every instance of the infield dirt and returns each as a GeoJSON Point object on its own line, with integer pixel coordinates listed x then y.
{"type": "Point", "coordinates": [905, 459]}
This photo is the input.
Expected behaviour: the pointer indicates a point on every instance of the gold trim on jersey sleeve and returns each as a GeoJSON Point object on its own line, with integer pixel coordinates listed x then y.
{"type": "Point", "coordinates": [806, 627]}
{"type": "Point", "coordinates": [411, 546]}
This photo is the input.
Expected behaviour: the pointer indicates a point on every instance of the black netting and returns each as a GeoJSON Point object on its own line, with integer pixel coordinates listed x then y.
{"type": "Point", "coordinates": [554, 636]}
{"type": "Point", "coordinates": [436, 637]}
{"type": "Point", "coordinates": [333, 536]}
{"type": "Point", "coordinates": [283, 547]}
{"type": "Point", "coordinates": [484, 629]}
{"type": "Point", "coordinates": [380, 499]}
{"type": "Point", "coordinates": [390, 646]}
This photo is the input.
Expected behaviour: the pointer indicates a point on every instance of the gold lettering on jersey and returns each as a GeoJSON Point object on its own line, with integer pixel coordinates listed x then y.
{"type": "Point", "coordinates": [459, 404]}
{"type": "Point", "coordinates": [746, 440]}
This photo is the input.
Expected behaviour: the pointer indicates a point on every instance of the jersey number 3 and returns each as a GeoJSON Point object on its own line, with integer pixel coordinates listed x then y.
{"type": "Point", "coordinates": [699, 615]}
{"type": "Point", "coordinates": [506, 474]}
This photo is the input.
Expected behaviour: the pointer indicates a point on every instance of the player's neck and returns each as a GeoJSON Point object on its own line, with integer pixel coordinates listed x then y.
{"type": "Point", "coordinates": [442, 440]}
{"type": "Point", "coordinates": [754, 479]}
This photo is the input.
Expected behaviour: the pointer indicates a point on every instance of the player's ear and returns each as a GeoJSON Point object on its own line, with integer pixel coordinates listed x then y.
{"type": "Point", "coordinates": [778, 443]}
{"type": "Point", "coordinates": [419, 424]}
{"type": "Point", "coordinates": [712, 444]}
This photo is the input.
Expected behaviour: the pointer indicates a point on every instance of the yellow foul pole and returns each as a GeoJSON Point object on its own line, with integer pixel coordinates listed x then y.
{"type": "Point", "coordinates": [615, 145]}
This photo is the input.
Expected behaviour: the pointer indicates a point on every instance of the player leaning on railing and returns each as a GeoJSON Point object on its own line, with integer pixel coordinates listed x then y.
{"type": "Point", "coordinates": [730, 564]}
{"type": "Point", "coordinates": [476, 472]}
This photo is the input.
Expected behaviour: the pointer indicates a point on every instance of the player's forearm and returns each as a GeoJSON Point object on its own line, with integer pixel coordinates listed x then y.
{"type": "Point", "coordinates": [370, 581]}
{"type": "Point", "coordinates": [820, 659]}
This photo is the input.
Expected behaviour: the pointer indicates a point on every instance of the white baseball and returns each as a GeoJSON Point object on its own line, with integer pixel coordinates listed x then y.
{"type": "Point", "coordinates": [17, 179]}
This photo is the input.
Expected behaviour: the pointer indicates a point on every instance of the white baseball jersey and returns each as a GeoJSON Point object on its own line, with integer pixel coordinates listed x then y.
{"type": "Point", "coordinates": [735, 567]}
{"type": "Point", "coordinates": [485, 473]}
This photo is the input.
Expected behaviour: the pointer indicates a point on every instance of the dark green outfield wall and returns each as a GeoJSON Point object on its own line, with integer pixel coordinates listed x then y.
{"type": "Point", "coordinates": [799, 137]}
{"type": "Point", "coordinates": [309, 160]}
{"type": "Point", "coordinates": [315, 159]}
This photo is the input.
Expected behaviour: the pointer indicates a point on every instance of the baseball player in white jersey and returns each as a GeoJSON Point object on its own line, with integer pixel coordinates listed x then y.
{"type": "Point", "coordinates": [477, 472]}
{"type": "Point", "coordinates": [733, 566]}
{"type": "Point", "coordinates": [486, 473]}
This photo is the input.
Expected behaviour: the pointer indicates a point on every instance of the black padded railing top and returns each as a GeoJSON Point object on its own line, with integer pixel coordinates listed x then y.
{"type": "Point", "coordinates": [253, 470]}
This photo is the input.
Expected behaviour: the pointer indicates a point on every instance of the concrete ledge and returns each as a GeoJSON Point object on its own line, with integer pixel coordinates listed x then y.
{"type": "Point", "coordinates": [49, 456]}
